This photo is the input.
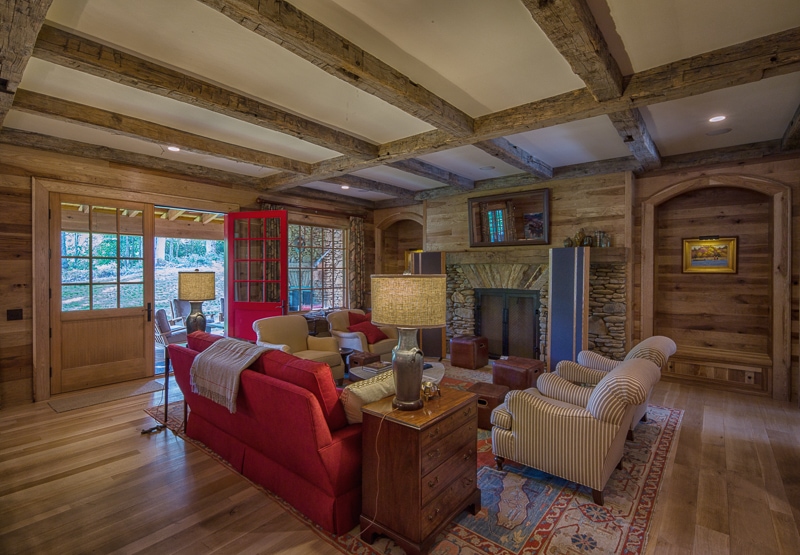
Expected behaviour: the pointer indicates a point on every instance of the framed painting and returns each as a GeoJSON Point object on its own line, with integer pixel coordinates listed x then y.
{"type": "Point", "coordinates": [511, 219]}
{"type": "Point", "coordinates": [709, 255]}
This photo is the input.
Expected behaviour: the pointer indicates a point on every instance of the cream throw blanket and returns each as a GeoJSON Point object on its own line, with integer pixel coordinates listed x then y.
{"type": "Point", "coordinates": [215, 371]}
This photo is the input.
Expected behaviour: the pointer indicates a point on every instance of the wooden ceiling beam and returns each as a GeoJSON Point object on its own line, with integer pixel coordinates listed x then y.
{"type": "Point", "coordinates": [316, 194]}
{"type": "Point", "coordinates": [571, 27]}
{"type": "Point", "coordinates": [434, 173]}
{"type": "Point", "coordinates": [69, 50]}
{"type": "Point", "coordinates": [633, 131]}
{"type": "Point", "coordinates": [302, 35]}
{"type": "Point", "coordinates": [791, 138]}
{"type": "Point", "coordinates": [173, 214]}
{"type": "Point", "coordinates": [364, 184]}
{"type": "Point", "coordinates": [208, 218]}
{"type": "Point", "coordinates": [20, 22]}
{"type": "Point", "coordinates": [123, 157]}
{"type": "Point", "coordinates": [119, 124]}
{"type": "Point", "coordinates": [511, 154]}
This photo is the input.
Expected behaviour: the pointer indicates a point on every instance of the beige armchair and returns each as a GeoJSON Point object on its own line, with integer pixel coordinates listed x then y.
{"type": "Point", "coordinates": [290, 334]}
{"type": "Point", "coordinates": [575, 432]}
{"type": "Point", "coordinates": [591, 366]}
{"type": "Point", "coordinates": [339, 321]}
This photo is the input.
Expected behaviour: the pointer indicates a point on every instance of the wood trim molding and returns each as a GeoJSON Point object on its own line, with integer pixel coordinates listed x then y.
{"type": "Point", "coordinates": [780, 380]}
{"type": "Point", "coordinates": [40, 226]}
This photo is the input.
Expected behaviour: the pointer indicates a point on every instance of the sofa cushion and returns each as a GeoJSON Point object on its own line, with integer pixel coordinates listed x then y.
{"type": "Point", "coordinates": [200, 340]}
{"type": "Point", "coordinates": [357, 317]}
{"type": "Point", "coordinates": [370, 331]}
{"type": "Point", "coordinates": [364, 392]}
{"type": "Point", "coordinates": [308, 374]}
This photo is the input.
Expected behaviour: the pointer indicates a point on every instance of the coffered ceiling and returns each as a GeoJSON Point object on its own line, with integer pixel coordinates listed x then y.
{"type": "Point", "coordinates": [401, 100]}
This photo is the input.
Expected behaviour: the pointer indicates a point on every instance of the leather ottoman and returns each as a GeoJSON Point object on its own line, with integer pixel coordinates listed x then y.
{"type": "Point", "coordinates": [489, 397]}
{"type": "Point", "coordinates": [362, 358]}
{"type": "Point", "coordinates": [516, 372]}
{"type": "Point", "coordinates": [469, 351]}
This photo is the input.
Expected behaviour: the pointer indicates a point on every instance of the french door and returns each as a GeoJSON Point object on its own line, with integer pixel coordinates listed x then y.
{"type": "Point", "coordinates": [256, 268]}
{"type": "Point", "coordinates": [101, 277]}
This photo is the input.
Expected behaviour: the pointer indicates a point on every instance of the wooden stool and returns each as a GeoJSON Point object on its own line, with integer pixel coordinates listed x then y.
{"type": "Point", "coordinates": [490, 396]}
{"type": "Point", "coordinates": [516, 372]}
{"type": "Point", "coordinates": [469, 351]}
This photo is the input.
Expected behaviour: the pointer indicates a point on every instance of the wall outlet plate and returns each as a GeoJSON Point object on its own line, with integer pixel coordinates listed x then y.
{"type": "Point", "coordinates": [14, 314]}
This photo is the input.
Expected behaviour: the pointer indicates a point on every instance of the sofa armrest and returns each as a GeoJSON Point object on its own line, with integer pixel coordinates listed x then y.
{"type": "Point", "coordinates": [556, 387]}
{"type": "Point", "coordinates": [577, 373]}
{"type": "Point", "coordinates": [275, 346]}
{"type": "Point", "coordinates": [351, 340]}
{"type": "Point", "coordinates": [323, 344]}
{"type": "Point", "coordinates": [590, 359]}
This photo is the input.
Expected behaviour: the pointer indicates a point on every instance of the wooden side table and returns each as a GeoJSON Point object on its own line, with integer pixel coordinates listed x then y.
{"type": "Point", "coordinates": [411, 493]}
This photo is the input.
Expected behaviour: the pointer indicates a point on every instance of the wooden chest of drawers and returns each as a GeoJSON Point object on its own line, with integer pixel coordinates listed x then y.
{"type": "Point", "coordinates": [420, 468]}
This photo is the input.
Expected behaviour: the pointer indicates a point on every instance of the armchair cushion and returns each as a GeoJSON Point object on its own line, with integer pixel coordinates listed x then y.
{"type": "Point", "coordinates": [556, 387]}
{"type": "Point", "coordinates": [372, 332]}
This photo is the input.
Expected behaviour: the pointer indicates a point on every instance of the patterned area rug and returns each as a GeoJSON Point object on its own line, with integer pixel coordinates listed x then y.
{"type": "Point", "coordinates": [527, 511]}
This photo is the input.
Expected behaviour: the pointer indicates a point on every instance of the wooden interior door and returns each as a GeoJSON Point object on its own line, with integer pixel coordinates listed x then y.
{"type": "Point", "coordinates": [256, 268]}
{"type": "Point", "coordinates": [101, 277]}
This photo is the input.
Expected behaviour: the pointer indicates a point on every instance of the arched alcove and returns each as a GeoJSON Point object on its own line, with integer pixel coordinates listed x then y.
{"type": "Point", "coordinates": [778, 275]}
{"type": "Point", "coordinates": [394, 235]}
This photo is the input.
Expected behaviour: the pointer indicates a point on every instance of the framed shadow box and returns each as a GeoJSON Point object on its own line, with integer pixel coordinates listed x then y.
{"type": "Point", "coordinates": [510, 219]}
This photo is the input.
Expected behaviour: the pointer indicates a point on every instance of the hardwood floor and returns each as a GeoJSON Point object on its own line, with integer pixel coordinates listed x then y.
{"type": "Point", "coordinates": [87, 481]}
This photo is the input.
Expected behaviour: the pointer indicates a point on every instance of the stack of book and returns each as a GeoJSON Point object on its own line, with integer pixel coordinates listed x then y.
{"type": "Point", "coordinates": [378, 367]}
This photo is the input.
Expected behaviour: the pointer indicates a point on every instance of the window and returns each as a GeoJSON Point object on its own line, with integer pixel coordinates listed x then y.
{"type": "Point", "coordinates": [317, 267]}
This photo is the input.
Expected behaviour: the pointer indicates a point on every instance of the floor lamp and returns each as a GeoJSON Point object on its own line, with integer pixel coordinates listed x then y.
{"type": "Point", "coordinates": [196, 287]}
{"type": "Point", "coordinates": [409, 302]}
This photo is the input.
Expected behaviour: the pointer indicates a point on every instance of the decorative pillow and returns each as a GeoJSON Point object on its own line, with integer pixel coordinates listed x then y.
{"type": "Point", "coordinates": [370, 330]}
{"type": "Point", "coordinates": [356, 318]}
{"type": "Point", "coordinates": [364, 392]}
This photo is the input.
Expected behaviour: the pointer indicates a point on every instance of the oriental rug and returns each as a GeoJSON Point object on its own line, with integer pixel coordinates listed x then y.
{"type": "Point", "coordinates": [528, 511]}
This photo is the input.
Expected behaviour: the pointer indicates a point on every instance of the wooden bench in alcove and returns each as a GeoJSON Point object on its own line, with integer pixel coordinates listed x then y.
{"type": "Point", "coordinates": [730, 369]}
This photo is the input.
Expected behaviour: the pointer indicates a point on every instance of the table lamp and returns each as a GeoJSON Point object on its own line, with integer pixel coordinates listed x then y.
{"type": "Point", "coordinates": [196, 287]}
{"type": "Point", "coordinates": [409, 302]}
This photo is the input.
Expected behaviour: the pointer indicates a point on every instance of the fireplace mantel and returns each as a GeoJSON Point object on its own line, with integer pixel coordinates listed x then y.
{"type": "Point", "coordinates": [533, 256]}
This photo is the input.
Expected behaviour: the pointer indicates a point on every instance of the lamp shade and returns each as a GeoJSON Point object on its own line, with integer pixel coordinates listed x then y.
{"type": "Point", "coordinates": [196, 286]}
{"type": "Point", "coordinates": [409, 301]}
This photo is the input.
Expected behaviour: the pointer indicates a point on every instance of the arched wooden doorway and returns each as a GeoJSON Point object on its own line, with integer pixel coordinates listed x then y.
{"type": "Point", "coordinates": [780, 233]}
{"type": "Point", "coordinates": [394, 235]}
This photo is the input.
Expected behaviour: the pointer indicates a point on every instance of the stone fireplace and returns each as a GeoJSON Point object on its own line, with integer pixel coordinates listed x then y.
{"type": "Point", "coordinates": [607, 298]}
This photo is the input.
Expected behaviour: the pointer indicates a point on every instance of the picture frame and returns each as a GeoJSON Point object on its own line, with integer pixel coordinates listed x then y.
{"type": "Point", "coordinates": [710, 255]}
{"type": "Point", "coordinates": [511, 219]}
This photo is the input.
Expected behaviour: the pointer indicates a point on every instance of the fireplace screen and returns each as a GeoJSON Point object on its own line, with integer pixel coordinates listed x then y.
{"type": "Point", "coordinates": [509, 319]}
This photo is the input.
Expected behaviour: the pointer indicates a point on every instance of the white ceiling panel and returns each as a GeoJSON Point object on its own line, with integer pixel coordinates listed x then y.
{"type": "Point", "coordinates": [399, 178]}
{"type": "Point", "coordinates": [470, 162]}
{"type": "Point", "coordinates": [576, 142]}
{"type": "Point", "coordinates": [754, 113]}
{"type": "Point", "coordinates": [351, 192]}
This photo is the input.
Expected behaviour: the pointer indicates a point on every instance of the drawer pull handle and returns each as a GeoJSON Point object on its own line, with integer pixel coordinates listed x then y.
{"type": "Point", "coordinates": [467, 455]}
{"type": "Point", "coordinates": [433, 454]}
{"type": "Point", "coordinates": [467, 412]}
{"type": "Point", "coordinates": [434, 433]}
{"type": "Point", "coordinates": [468, 481]}
{"type": "Point", "coordinates": [433, 483]}
{"type": "Point", "coordinates": [433, 514]}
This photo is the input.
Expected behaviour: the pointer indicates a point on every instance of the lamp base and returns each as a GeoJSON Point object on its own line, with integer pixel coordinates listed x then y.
{"type": "Point", "coordinates": [196, 321]}
{"type": "Point", "coordinates": [407, 360]}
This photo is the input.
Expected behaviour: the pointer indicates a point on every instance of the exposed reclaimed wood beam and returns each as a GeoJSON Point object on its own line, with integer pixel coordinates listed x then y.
{"type": "Point", "coordinates": [173, 214]}
{"type": "Point", "coordinates": [63, 48]}
{"type": "Point", "coordinates": [208, 218]}
{"type": "Point", "coordinates": [85, 150]}
{"type": "Point", "coordinates": [571, 27]}
{"type": "Point", "coordinates": [302, 35]}
{"type": "Point", "coordinates": [20, 22]}
{"type": "Point", "coordinates": [119, 124]}
{"type": "Point", "coordinates": [364, 184]}
{"type": "Point", "coordinates": [511, 154]}
{"type": "Point", "coordinates": [305, 192]}
{"type": "Point", "coordinates": [727, 155]}
{"type": "Point", "coordinates": [633, 131]}
{"type": "Point", "coordinates": [435, 173]}
{"type": "Point", "coordinates": [791, 138]}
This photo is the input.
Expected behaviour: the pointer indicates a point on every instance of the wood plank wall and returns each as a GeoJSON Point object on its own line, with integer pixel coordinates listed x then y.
{"type": "Point", "coordinates": [721, 311]}
{"type": "Point", "coordinates": [786, 171]}
{"type": "Point", "coordinates": [17, 167]}
{"type": "Point", "coordinates": [398, 239]}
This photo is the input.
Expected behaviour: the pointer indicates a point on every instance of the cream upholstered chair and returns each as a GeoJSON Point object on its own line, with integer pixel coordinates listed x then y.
{"type": "Point", "coordinates": [591, 366]}
{"type": "Point", "coordinates": [577, 433]}
{"type": "Point", "coordinates": [290, 334]}
{"type": "Point", "coordinates": [339, 321]}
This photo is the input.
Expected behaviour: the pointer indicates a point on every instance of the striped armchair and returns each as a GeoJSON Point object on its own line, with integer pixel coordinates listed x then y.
{"type": "Point", "coordinates": [577, 433]}
{"type": "Point", "coordinates": [591, 367]}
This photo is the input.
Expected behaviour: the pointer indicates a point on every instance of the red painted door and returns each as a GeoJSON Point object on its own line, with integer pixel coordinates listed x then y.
{"type": "Point", "coordinates": [256, 268]}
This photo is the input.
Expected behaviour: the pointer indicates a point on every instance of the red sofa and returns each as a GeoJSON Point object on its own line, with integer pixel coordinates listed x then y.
{"type": "Point", "coordinates": [289, 432]}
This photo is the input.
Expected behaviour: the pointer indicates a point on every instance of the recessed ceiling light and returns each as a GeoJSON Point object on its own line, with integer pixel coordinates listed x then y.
{"type": "Point", "coordinates": [719, 131]}
{"type": "Point", "coordinates": [487, 168]}
{"type": "Point", "coordinates": [716, 119]}
{"type": "Point", "coordinates": [173, 148]}
{"type": "Point", "coordinates": [345, 187]}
